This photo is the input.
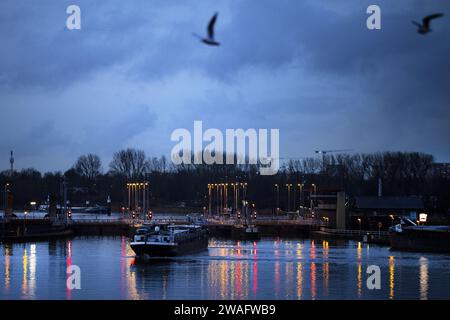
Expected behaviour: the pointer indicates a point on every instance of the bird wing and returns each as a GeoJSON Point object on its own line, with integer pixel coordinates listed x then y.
{"type": "Point", "coordinates": [417, 24]}
{"type": "Point", "coordinates": [427, 19]}
{"type": "Point", "coordinates": [211, 24]}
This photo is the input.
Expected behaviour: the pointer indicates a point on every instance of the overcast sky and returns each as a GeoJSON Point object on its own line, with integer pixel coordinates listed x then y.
{"type": "Point", "coordinates": [134, 73]}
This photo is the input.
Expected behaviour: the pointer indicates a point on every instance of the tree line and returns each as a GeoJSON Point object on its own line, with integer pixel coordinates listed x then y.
{"type": "Point", "coordinates": [401, 174]}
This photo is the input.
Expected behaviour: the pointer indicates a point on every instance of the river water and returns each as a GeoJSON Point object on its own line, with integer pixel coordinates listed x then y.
{"type": "Point", "coordinates": [267, 269]}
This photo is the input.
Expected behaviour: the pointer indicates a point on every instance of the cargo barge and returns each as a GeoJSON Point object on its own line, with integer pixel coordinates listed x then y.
{"type": "Point", "coordinates": [411, 237]}
{"type": "Point", "coordinates": [169, 240]}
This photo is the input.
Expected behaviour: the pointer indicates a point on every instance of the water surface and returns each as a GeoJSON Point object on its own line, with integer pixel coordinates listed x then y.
{"type": "Point", "coordinates": [267, 269]}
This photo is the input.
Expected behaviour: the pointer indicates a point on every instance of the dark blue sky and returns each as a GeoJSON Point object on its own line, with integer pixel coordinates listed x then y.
{"type": "Point", "coordinates": [134, 73]}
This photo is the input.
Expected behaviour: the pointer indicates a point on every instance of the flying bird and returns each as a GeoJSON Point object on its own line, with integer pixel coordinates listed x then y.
{"type": "Point", "coordinates": [424, 27]}
{"type": "Point", "coordinates": [209, 40]}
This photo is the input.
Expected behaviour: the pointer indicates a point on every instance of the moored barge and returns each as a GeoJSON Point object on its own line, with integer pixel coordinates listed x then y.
{"type": "Point", "coordinates": [420, 238]}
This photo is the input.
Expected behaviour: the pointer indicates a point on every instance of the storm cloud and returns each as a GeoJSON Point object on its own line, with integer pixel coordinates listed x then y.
{"type": "Point", "coordinates": [134, 73]}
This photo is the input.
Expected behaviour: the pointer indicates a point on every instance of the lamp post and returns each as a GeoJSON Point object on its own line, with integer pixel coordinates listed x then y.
{"type": "Point", "coordinates": [226, 196]}
{"type": "Point", "coordinates": [236, 196]}
{"type": "Point", "coordinates": [6, 197]}
{"type": "Point", "coordinates": [220, 197]}
{"type": "Point", "coordinates": [359, 222]}
{"type": "Point", "coordinates": [209, 198]}
{"type": "Point", "coordinates": [392, 219]}
{"type": "Point", "coordinates": [5, 204]}
{"type": "Point", "coordinates": [278, 198]}
{"type": "Point", "coordinates": [232, 198]}
{"type": "Point", "coordinates": [313, 186]}
{"type": "Point", "coordinates": [129, 195]}
{"type": "Point", "coordinates": [33, 206]}
{"type": "Point", "coordinates": [289, 185]}
{"type": "Point", "coordinates": [217, 197]}
{"type": "Point", "coordinates": [24, 222]}
{"type": "Point", "coordinates": [300, 186]}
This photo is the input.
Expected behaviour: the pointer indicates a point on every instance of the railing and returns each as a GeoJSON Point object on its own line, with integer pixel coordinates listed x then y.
{"type": "Point", "coordinates": [168, 220]}
{"type": "Point", "coordinates": [98, 221]}
{"type": "Point", "coordinates": [265, 221]}
{"type": "Point", "coordinates": [356, 232]}
{"type": "Point", "coordinates": [127, 221]}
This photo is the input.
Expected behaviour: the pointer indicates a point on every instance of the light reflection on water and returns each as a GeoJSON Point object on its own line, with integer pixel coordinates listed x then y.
{"type": "Point", "coordinates": [266, 269]}
{"type": "Point", "coordinates": [423, 278]}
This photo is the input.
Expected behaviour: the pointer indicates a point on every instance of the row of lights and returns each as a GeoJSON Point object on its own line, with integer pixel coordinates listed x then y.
{"type": "Point", "coordinates": [137, 184]}
{"type": "Point", "coordinates": [422, 218]}
{"type": "Point", "coordinates": [242, 184]}
{"type": "Point", "coordinates": [149, 215]}
{"type": "Point", "coordinates": [300, 185]}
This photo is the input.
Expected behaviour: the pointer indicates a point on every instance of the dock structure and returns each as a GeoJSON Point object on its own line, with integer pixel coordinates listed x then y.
{"type": "Point", "coordinates": [267, 226]}
{"type": "Point", "coordinates": [27, 228]}
{"type": "Point", "coordinates": [120, 225]}
{"type": "Point", "coordinates": [369, 236]}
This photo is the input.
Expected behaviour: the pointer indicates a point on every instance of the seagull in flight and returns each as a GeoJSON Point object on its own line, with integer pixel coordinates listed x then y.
{"type": "Point", "coordinates": [424, 27]}
{"type": "Point", "coordinates": [210, 39]}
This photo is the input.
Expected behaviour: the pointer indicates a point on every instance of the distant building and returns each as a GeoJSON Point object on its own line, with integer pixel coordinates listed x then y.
{"type": "Point", "coordinates": [441, 169]}
{"type": "Point", "coordinates": [373, 210]}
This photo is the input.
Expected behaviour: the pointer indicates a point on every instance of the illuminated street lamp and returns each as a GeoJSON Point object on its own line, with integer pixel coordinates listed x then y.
{"type": "Point", "coordinates": [310, 195]}
{"type": "Point", "coordinates": [226, 196]}
{"type": "Point", "coordinates": [392, 219]}
{"type": "Point", "coordinates": [300, 187]}
{"type": "Point", "coordinates": [138, 197]}
{"type": "Point", "coordinates": [209, 197]}
{"type": "Point", "coordinates": [33, 206]}
{"type": "Point", "coordinates": [220, 197]}
{"type": "Point", "coordinates": [278, 197]}
{"type": "Point", "coordinates": [359, 222]}
{"type": "Point", "coordinates": [289, 186]}
{"type": "Point", "coordinates": [217, 198]}
{"type": "Point", "coordinates": [24, 222]}
{"type": "Point", "coordinates": [235, 192]}
{"type": "Point", "coordinates": [5, 204]}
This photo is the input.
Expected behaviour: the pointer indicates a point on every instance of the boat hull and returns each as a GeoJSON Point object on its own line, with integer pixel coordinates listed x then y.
{"type": "Point", "coordinates": [245, 234]}
{"type": "Point", "coordinates": [169, 250]}
{"type": "Point", "coordinates": [420, 241]}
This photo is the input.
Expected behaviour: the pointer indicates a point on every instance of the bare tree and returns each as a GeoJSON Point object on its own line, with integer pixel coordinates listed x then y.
{"type": "Point", "coordinates": [88, 166]}
{"type": "Point", "coordinates": [129, 163]}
